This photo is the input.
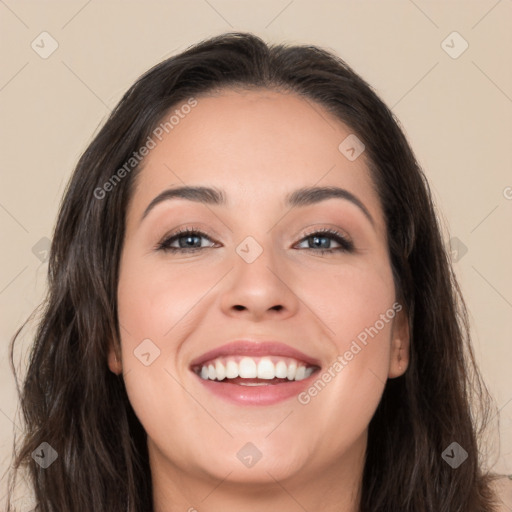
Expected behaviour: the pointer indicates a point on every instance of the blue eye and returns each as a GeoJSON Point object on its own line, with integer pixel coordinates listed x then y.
{"type": "Point", "coordinates": [190, 240]}
{"type": "Point", "coordinates": [319, 237]}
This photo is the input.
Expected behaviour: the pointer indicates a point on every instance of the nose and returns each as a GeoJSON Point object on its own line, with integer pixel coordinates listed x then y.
{"type": "Point", "coordinates": [261, 289]}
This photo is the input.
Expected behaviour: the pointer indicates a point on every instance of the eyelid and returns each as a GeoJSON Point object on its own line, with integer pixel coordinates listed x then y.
{"type": "Point", "coordinates": [328, 230]}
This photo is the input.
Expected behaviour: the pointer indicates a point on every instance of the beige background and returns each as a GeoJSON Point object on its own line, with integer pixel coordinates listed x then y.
{"type": "Point", "coordinates": [456, 112]}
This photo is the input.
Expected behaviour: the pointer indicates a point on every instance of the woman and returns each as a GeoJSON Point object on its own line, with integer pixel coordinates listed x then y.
{"type": "Point", "coordinates": [250, 305]}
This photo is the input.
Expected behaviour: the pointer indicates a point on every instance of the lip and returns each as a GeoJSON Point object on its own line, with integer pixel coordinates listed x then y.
{"type": "Point", "coordinates": [256, 349]}
{"type": "Point", "coordinates": [255, 395]}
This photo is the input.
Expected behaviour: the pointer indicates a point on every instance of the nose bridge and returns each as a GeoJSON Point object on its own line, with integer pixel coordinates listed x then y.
{"type": "Point", "coordinates": [258, 283]}
{"type": "Point", "coordinates": [256, 260]}
{"type": "Point", "coordinates": [257, 244]}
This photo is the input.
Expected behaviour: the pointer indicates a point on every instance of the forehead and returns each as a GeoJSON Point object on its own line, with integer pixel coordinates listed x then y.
{"type": "Point", "coordinates": [257, 145]}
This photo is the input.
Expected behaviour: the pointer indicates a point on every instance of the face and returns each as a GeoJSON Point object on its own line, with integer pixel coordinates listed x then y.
{"type": "Point", "coordinates": [296, 298]}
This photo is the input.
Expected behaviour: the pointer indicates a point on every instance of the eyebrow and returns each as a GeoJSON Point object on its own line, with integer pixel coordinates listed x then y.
{"type": "Point", "coordinates": [299, 198]}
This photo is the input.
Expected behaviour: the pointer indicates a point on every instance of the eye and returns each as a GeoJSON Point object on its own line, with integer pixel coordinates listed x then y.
{"type": "Point", "coordinates": [321, 241]}
{"type": "Point", "coordinates": [190, 239]}
{"type": "Point", "coordinates": [187, 240]}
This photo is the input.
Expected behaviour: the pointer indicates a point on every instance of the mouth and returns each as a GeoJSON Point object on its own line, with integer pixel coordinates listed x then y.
{"type": "Point", "coordinates": [255, 373]}
{"type": "Point", "coordinates": [243, 370]}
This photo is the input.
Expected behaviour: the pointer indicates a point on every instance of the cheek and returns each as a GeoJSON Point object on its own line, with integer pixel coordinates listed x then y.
{"type": "Point", "coordinates": [155, 306]}
{"type": "Point", "coordinates": [152, 300]}
{"type": "Point", "coordinates": [357, 307]}
{"type": "Point", "coordinates": [350, 299]}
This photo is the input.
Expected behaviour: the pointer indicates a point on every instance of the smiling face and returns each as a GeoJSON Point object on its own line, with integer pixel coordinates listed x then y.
{"type": "Point", "coordinates": [257, 268]}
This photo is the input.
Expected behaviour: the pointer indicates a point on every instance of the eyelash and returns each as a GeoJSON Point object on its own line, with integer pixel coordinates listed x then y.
{"type": "Point", "coordinates": [346, 245]}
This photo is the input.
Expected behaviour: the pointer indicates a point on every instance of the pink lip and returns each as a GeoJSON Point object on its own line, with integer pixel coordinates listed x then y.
{"type": "Point", "coordinates": [255, 395]}
{"type": "Point", "coordinates": [255, 348]}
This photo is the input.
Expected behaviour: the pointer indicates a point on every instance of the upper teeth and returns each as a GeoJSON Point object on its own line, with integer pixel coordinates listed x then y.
{"type": "Point", "coordinates": [255, 367]}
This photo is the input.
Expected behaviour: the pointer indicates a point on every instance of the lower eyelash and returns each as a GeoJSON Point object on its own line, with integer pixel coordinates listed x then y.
{"type": "Point", "coordinates": [346, 245]}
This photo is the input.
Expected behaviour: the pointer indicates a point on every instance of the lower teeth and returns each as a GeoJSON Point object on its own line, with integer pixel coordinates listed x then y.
{"type": "Point", "coordinates": [254, 382]}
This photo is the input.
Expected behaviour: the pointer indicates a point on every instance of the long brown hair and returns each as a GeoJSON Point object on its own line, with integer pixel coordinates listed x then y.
{"type": "Point", "coordinates": [71, 400]}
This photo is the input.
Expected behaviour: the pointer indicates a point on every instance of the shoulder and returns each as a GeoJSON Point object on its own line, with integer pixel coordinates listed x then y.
{"type": "Point", "coordinates": [503, 489]}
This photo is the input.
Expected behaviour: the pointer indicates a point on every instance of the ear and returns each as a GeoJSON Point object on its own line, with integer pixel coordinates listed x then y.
{"type": "Point", "coordinates": [400, 345]}
{"type": "Point", "coordinates": [114, 360]}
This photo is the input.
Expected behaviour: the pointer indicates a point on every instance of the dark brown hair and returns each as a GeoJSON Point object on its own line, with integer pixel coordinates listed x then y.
{"type": "Point", "coordinates": [71, 400]}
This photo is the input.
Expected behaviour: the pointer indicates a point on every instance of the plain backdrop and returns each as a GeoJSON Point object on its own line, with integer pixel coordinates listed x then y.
{"type": "Point", "coordinates": [443, 67]}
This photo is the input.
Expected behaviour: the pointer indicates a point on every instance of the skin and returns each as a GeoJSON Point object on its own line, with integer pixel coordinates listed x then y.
{"type": "Point", "coordinates": [257, 146]}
